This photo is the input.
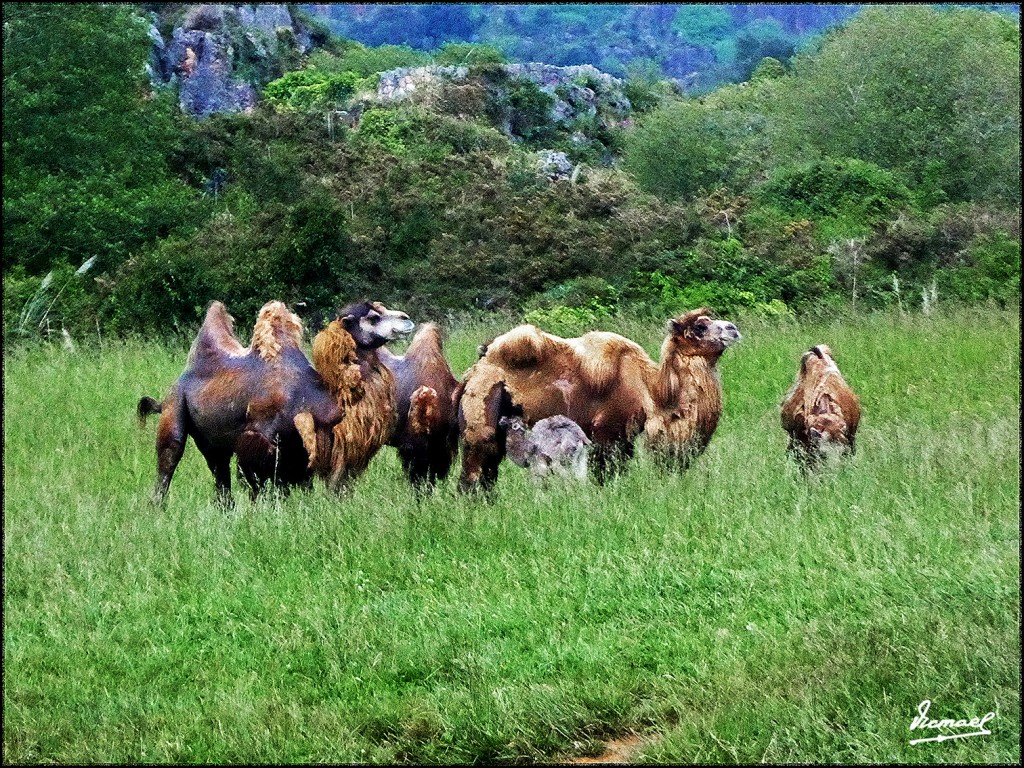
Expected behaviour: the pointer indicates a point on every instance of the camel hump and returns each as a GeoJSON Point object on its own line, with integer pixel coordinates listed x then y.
{"type": "Point", "coordinates": [216, 337]}
{"type": "Point", "coordinates": [276, 329]}
{"type": "Point", "coordinates": [334, 357]}
{"type": "Point", "coordinates": [523, 347]}
{"type": "Point", "coordinates": [601, 355]}
{"type": "Point", "coordinates": [427, 340]}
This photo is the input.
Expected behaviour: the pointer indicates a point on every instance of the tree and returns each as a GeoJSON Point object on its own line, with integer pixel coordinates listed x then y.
{"type": "Point", "coordinates": [682, 147]}
{"type": "Point", "coordinates": [934, 94]}
{"type": "Point", "coordinates": [84, 139]}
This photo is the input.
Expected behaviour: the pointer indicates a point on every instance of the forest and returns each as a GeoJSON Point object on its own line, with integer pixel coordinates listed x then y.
{"type": "Point", "coordinates": [878, 166]}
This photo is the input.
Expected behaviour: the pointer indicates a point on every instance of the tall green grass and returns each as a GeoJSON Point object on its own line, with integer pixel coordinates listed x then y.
{"type": "Point", "coordinates": [736, 613]}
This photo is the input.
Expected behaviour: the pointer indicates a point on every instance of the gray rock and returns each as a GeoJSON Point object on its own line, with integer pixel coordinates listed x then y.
{"type": "Point", "coordinates": [556, 166]}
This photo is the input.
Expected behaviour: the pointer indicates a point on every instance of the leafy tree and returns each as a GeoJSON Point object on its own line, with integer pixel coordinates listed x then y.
{"type": "Point", "coordinates": [932, 93]}
{"type": "Point", "coordinates": [84, 139]}
{"type": "Point", "coordinates": [683, 147]}
{"type": "Point", "coordinates": [756, 42]}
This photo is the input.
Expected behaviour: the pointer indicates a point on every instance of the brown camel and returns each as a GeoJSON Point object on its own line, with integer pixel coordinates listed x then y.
{"type": "Point", "coordinates": [821, 413]}
{"type": "Point", "coordinates": [605, 383]}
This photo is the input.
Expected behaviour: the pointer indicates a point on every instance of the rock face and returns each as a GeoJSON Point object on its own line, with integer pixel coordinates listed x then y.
{"type": "Point", "coordinates": [401, 84]}
{"type": "Point", "coordinates": [581, 91]}
{"type": "Point", "coordinates": [210, 43]}
{"type": "Point", "coordinates": [577, 91]}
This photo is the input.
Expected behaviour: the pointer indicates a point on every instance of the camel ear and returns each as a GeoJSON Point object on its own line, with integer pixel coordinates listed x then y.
{"type": "Point", "coordinates": [675, 327]}
{"type": "Point", "coordinates": [348, 320]}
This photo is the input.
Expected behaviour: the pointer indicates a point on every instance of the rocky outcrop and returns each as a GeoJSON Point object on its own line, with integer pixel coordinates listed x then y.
{"type": "Point", "coordinates": [216, 54]}
{"type": "Point", "coordinates": [407, 82]}
{"type": "Point", "coordinates": [576, 92]}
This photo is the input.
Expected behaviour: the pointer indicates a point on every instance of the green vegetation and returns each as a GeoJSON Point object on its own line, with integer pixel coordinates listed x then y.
{"type": "Point", "coordinates": [736, 613]}
{"type": "Point", "coordinates": [789, 194]}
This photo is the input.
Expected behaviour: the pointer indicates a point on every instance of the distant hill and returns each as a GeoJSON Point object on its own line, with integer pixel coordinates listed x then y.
{"type": "Point", "coordinates": [699, 46]}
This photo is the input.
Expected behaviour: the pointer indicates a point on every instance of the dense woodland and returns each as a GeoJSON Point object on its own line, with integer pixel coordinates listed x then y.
{"type": "Point", "coordinates": [877, 165]}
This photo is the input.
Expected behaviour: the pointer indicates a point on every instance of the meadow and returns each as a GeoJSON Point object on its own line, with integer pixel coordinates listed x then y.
{"type": "Point", "coordinates": [739, 612]}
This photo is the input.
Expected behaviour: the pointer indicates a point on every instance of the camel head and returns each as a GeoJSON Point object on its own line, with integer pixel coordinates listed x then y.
{"type": "Point", "coordinates": [373, 325]}
{"type": "Point", "coordinates": [817, 357]}
{"type": "Point", "coordinates": [697, 333]}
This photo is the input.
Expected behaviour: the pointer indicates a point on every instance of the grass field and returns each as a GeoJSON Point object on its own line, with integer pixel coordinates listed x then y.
{"type": "Point", "coordinates": [737, 613]}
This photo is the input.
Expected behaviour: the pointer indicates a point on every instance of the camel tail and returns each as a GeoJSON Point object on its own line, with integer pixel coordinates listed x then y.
{"type": "Point", "coordinates": [147, 405]}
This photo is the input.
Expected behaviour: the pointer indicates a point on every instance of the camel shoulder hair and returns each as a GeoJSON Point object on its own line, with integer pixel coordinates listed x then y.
{"type": "Point", "coordinates": [335, 359]}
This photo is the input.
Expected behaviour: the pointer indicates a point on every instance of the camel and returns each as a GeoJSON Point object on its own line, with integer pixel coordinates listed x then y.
{"type": "Point", "coordinates": [426, 432]}
{"type": "Point", "coordinates": [605, 383]}
{"type": "Point", "coordinates": [264, 404]}
{"type": "Point", "coordinates": [555, 446]}
{"type": "Point", "coordinates": [821, 413]}
{"type": "Point", "coordinates": [347, 353]}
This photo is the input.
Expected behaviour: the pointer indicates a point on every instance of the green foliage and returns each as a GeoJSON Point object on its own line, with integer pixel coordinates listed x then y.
{"type": "Point", "coordinates": [846, 196]}
{"type": "Point", "coordinates": [934, 94]}
{"type": "Point", "coordinates": [367, 61]}
{"type": "Point", "coordinates": [385, 128]}
{"type": "Point", "coordinates": [428, 203]}
{"type": "Point", "coordinates": [760, 41]}
{"type": "Point", "coordinates": [307, 89]}
{"type": "Point", "coordinates": [85, 144]}
{"type": "Point", "coordinates": [242, 263]}
{"type": "Point", "coordinates": [682, 148]}
{"type": "Point", "coordinates": [990, 269]}
{"type": "Point", "coordinates": [526, 109]}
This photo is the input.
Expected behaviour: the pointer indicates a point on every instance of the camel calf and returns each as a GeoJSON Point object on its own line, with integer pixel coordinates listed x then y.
{"type": "Point", "coordinates": [821, 413]}
{"type": "Point", "coordinates": [555, 446]}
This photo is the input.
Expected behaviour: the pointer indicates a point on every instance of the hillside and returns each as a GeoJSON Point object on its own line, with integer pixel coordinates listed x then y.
{"type": "Point", "coordinates": [455, 181]}
{"type": "Point", "coordinates": [698, 46]}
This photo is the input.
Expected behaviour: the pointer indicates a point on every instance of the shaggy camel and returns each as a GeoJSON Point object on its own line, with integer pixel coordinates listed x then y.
{"type": "Point", "coordinates": [347, 355]}
{"type": "Point", "coordinates": [821, 413]}
{"type": "Point", "coordinates": [426, 433]}
{"type": "Point", "coordinates": [605, 383]}
{"type": "Point", "coordinates": [265, 404]}
{"type": "Point", "coordinates": [555, 446]}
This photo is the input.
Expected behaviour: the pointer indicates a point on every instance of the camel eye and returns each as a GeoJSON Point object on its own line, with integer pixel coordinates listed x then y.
{"type": "Point", "coordinates": [373, 316]}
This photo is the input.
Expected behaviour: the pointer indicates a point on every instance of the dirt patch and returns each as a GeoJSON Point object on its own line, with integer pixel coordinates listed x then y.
{"type": "Point", "coordinates": [618, 751]}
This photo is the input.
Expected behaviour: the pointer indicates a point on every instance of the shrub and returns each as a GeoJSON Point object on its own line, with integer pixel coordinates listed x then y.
{"type": "Point", "coordinates": [307, 89]}
{"type": "Point", "coordinates": [566, 321]}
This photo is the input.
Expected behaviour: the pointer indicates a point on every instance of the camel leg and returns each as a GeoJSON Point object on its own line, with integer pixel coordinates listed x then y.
{"type": "Point", "coordinates": [219, 462]}
{"type": "Point", "coordinates": [171, 437]}
{"type": "Point", "coordinates": [480, 467]}
{"type": "Point", "coordinates": [610, 459]}
{"type": "Point", "coordinates": [255, 484]}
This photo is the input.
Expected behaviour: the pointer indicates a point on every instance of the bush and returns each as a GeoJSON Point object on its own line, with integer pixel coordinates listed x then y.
{"type": "Point", "coordinates": [990, 270]}
{"type": "Point", "coordinates": [848, 190]}
{"type": "Point", "coordinates": [307, 89]}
